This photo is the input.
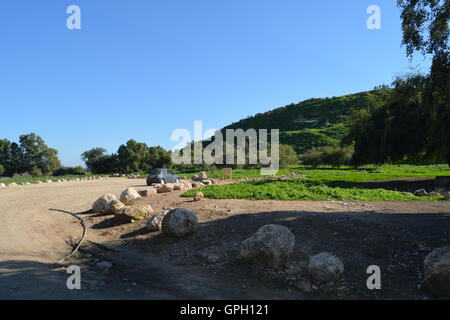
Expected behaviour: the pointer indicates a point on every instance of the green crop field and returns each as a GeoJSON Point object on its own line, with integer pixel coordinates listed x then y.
{"type": "Point", "coordinates": [324, 184]}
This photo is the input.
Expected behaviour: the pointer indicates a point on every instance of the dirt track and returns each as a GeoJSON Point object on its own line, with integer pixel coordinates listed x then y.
{"type": "Point", "coordinates": [36, 232]}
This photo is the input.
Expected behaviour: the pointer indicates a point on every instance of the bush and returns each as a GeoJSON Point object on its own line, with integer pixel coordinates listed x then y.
{"type": "Point", "coordinates": [64, 171]}
{"type": "Point", "coordinates": [330, 155]}
{"type": "Point", "coordinates": [2, 170]}
{"type": "Point", "coordinates": [36, 172]}
{"type": "Point", "coordinates": [288, 156]}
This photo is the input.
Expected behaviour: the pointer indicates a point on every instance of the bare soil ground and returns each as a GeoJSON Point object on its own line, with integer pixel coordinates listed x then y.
{"type": "Point", "coordinates": [36, 231]}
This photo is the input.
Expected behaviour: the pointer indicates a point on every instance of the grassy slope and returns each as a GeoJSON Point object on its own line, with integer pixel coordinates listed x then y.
{"type": "Point", "coordinates": [320, 184]}
{"type": "Point", "coordinates": [330, 114]}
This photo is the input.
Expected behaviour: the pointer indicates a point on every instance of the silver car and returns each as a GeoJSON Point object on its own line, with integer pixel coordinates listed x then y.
{"type": "Point", "coordinates": [162, 176]}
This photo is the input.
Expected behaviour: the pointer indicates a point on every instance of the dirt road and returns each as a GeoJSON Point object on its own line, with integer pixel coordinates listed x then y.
{"type": "Point", "coordinates": [36, 232]}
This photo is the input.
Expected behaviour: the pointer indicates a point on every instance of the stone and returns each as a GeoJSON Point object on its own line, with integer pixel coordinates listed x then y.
{"type": "Point", "coordinates": [270, 246]}
{"type": "Point", "coordinates": [104, 265]}
{"type": "Point", "coordinates": [104, 204]}
{"type": "Point", "coordinates": [198, 196]}
{"type": "Point", "coordinates": [179, 222]}
{"type": "Point", "coordinates": [202, 176]}
{"type": "Point", "coordinates": [155, 222]}
{"type": "Point", "coordinates": [130, 214]}
{"type": "Point", "coordinates": [325, 267]}
{"type": "Point", "coordinates": [207, 182]}
{"type": "Point", "coordinates": [167, 187]}
{"type": "Point", "coordinates": [128, 195]}
{"type": "Point", "coordinates": [304, 286]}
{"type": "Point", "coordinates": [420, 192]}
{"type": "Point", "coordinates": [196, 185]}
{"type": "Point", "coordinates": [437, 272]}
{"type": "Point", "coordinates": [150, 192]}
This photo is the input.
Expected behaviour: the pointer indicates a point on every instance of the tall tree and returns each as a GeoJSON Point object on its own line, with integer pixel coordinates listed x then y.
{"type": "Point", "coordinates": [425, 26]}
{"type": "Point", "coordinates": [132, 156]}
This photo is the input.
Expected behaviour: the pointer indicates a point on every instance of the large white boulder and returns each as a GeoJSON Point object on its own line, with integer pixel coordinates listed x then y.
{"type": "Point", "coordinates": [179, 222]}
{"type": "Point", "coordinates": [325, 267]}
{"type": "Point", "coordinates": [271, 246]}
{"type": "Point", "coordinates": [437, 272]}
{"type": "Point", "coordinates": [128, 195]}
{"type": "Point", "coordinates": [104, 204]}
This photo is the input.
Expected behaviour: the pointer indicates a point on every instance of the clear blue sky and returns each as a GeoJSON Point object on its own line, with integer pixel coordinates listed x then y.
{"type": "Point", "coordinates": [142, 68]}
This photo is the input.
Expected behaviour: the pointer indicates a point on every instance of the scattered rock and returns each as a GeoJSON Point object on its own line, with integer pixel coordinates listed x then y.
{"type": "Point", "coordinates": [207, 182]}
{"type": "Point", "coordinates": [129, 195]}
{"type": "Point", "coordinates": [202, 176]}
{"type": "Point", "coordinates": [117, 206]}
{"type": "Point", "coordinates": [271, 245]}
{"type": "Point", "coordinates": [325, 267]}
{"type": "Point", "coordinates": [304, 286]}
{"type": "Point", "coordinates": [12, 184]}
{"type": "Point", "coordinates": [130, 214]}
{"type": "Point", "coordinates": [2, 185]}
{"type": "Point", "coordinates": [150, 192]}
{"type": "Point", "coordinates": [154, 223]}
{"type": "Point", "coordinates": [104, 265]}
{"type": "Point", "coordinates": [420, 192]}
{"type": "Point", "coordinates": [104, 204]}
{"type": "Point", "coordinates": [197, 185]}
{"type": "Point", "coordinates": [167, 187]}
{"type": "Point", "coordinates": [213, 259]}
{"type": "Point", "coordinates": [198, 196]}
{"type": "Point", "coordinates": [437, 272]}
{"type": "Point", "coordinates": [179, 222]}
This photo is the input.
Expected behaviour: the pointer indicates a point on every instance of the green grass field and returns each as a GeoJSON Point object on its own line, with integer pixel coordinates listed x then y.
{"type": "Point", "coordinates": [344, 174]}
{"type": "Point", "coordinates": [324, 184]}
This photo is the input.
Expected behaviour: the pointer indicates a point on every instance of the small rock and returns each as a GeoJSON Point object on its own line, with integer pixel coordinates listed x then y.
{"type": "Point", "coordinates": [437, 272]}
{"type": "Point", "coordinates": [198, 196]}
{"type": "Point", "coordinates": [304, 286]}
{"type": "Point", "coordinates": [104, 265]}
{"type": "Point", "coordinates": [420, 192]}
{"type": "Point", "coordinates": [325, 267]}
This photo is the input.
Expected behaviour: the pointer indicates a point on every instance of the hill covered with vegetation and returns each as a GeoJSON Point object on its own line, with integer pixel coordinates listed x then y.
{"type": "Point", "coordinates": [314, 122]}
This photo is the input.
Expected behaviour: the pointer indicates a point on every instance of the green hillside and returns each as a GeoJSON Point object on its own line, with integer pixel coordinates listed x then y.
{"type": "Point", "coordinates": [313, 122]}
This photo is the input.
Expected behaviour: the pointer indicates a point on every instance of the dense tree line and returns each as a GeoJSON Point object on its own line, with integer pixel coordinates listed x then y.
{"type": "Point", "coordinates": [130, 157]}
{"type": "Point", "coordinates": [415, 122]}
{"type": "Point", "coordinates": [30, 155]}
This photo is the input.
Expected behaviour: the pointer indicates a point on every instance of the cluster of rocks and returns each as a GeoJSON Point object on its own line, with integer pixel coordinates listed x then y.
{"type": "Point", "coordinates": [272, 245]}
{"type": "Point", "coordinates": [12, 184]}
{"type": "Point", "coordinates": [203, 178]}
{"type": "Point", "coordinates": [178, 222]}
